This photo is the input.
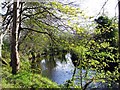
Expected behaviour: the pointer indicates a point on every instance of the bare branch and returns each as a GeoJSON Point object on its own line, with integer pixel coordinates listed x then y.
{"type": "Point", "coordinates": [102, 7]}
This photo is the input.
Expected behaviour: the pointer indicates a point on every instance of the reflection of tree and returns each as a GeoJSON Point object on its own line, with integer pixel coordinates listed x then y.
{"type": "Point", "coordinates": [50, 64]}
{"type": "Point", "coordinates": [48, 67]}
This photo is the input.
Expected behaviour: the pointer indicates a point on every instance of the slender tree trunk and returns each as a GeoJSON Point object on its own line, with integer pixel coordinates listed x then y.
{"type": "Point", "coordinates": [14, 39]}
{"type": "Point", "coordinates": [1, 39]}
{"type": "Point", "coordinates": [119, 25]}
{"type": "Point", "coordinates": [119, 30]}
{"type": "Point", "coordinates": [1, 36]}
{"type": "Point", "coordinates": [20, 20]}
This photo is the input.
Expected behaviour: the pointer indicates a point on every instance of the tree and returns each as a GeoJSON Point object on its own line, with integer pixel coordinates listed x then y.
{"type": "Point", "coordinates": [106, 31]}
{"type": "Point", "coordinates": [1, 36]}
{"type": "Point", "coordinates": [107, 38]}
{"type": "Point", "coordinates": [34, 17]}
{"type": "Point", "coordinates": [119, 24]}
{"type": "Point", "coordinates": [15, 61]}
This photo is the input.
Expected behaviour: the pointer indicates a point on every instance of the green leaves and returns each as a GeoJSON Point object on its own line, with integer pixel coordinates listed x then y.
{"type": "Point", "coordinates": [105, 44]}
{"type": "Point", "coordinates": [94, 63]}
{"type": "Point", "coordinates": [66, 9]}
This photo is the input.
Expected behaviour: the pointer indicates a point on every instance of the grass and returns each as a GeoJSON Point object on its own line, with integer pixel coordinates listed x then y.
{"type": "Point", "coordinates": [25, 78]}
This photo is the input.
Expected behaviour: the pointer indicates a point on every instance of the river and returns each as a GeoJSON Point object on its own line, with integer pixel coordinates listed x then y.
{"type": "Point", "coordinates": [60, 72]}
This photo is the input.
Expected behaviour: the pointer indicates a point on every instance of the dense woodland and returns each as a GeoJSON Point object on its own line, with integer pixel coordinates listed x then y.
{"type": "Point", "coordinates": [33, 31]}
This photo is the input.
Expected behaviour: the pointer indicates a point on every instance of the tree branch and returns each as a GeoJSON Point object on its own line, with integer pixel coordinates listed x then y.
{"type": "Point", "coordinates": [30, 29]}
{"type": "Point", "coordinates": [88, 83]}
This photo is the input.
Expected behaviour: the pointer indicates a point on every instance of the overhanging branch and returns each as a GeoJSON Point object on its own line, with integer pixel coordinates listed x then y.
{"type": "Point", "coordinates": [30, 29]}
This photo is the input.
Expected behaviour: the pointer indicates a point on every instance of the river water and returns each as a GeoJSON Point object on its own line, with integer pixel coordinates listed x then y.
{"type": "Point", "coordinates": [60, 72]}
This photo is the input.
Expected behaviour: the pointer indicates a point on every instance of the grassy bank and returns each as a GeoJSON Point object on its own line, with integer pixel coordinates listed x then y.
{"type": "Point", "coordinates": [25, 78]}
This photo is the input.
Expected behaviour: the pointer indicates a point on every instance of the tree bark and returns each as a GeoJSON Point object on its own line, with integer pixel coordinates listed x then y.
{"type": "Point", "coordinates": [1, 41]}
{"type": "Point", "coordinates": [119, 25]}
{"type": "Point", "coordinates": [1, 36]}
{"type": "Point", "coordinates": [14, 39]}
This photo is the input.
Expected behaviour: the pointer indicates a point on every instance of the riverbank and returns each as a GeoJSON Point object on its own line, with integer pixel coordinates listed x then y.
{"type": "Point", "coordinates": [25, 78]}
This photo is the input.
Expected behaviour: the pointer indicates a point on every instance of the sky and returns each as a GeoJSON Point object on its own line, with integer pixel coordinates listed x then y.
{"type": "Point", "coordinates": [93, 7]}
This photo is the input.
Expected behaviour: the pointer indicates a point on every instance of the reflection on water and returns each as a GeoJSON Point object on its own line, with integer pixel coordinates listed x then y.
{"type": "Point", "coordinates": [60, 72]}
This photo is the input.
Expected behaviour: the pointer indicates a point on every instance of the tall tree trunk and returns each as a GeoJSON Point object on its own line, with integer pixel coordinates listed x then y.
{"type": "Point", "coordinates": [14, 39]}
{"type": "Point", "coordinates": [20, 20]}
{"type": "Point", "coordinates": [1, 36]}
{"type": "Point", "coordinates": [119, 25]}
{"type": "Point", "coordinates": [1, 40]}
